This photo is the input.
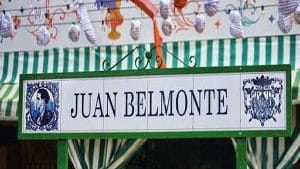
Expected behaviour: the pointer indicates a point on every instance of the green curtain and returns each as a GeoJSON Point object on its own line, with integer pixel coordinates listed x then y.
{"type": "Point", "coordinates": [103, 153]}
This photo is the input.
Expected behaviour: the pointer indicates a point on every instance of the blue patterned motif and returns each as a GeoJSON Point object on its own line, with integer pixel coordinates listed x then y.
{"type": "Point", "coordinates": [262, 98]}
{"type": "Point", "coordinates": [42, 104]}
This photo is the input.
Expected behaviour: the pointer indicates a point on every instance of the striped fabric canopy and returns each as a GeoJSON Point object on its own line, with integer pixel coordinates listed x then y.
{"type": "Point", "coordinates": [209, 53]}
{"type": "Point", "coordinates": [224, 52]}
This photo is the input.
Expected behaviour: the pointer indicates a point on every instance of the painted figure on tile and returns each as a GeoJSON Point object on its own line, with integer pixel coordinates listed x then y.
{"type": "Point", "coordinates": [41, 107]}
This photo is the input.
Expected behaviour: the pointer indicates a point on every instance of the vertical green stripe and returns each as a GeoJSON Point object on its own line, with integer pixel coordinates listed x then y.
{"type": "Point", "coordinates": [119, 57]}
{"type": "Point", "coordinates": [221, 53]}
{"type": "Point", "coordinates": [25, 63]}
{"type": "Point", "coordinates": [97, 59]}
{"type": "Point", "coordinates": [245, 51]}
{"type": "Point", "coordinates": [153, 54]}
{"type": "Point", "coordinates": [268, 50]}
{"type": "Point", "coordinates": [176, 54]}
{"type": "Point", "coordinates": [253, 144]}
{"type": "Point", "coordinates": [86, 59]}
{"type": "Point", "coordinates": [186, 53]}
{"type": "Point", "coordinates": [55, 60]}
{"type": "Point", "coordinates": [46, 61]}
{"type": "Point", "coordinates": [66, 60]}
{"type": "Point", "coordinates": [198, 53]}
{"type": "Point", "coordinates": [8, 109]}
{"type": "Point", "coordinates": [5, 67]}
{"type": "Point", "coordinates": [130, 57]}
{"type": "Point", "coordinates": [256, 50]}
{"type": "Point", "coordinates": [232, 52]}
{"type": "Point", "coordinates": [91, 151]}
{"type": "Point", "coordinates": [80, 153]}
{"type": "Point", "coordinates": [15, 67]}
{"type": "Point", "coordinates": [293, 51]}
{"type": "Point", "coordinates": [280, 50]}
{"type": "Point", "coordinates": [297, 116]}
{"type": "Point", "coordinates": [142, 50]}
{"type": "Point", "coordinates": [275, 151]}
{"type": "Point", "coordinates": [101, 161]}
{"type": "Point", "coordinates": [108, 55]}
{"type": "Point", "coordinates": [1, 107]}
{"type": "Point", "coordinates": [35, 62]}
{"type": "Point", "coordinates": [209, 57]}
{"type": "Point", "coordinates": [296, 85]}
{"type": "Point", "coordinates": [164, 50]}
{"type": "Point", "coordinates": [264, 152]}
{"type": "Point", "coordinates": [76, 59]}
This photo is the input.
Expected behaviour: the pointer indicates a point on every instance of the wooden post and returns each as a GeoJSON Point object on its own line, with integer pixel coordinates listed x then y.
{"type": "Point", "coordinates": [241, 153]}
{"type": "Point", "coordinates": [62, 154]}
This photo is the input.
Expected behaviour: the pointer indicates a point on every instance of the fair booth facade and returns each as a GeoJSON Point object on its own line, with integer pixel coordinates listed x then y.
{"type": "Point", "coordinates": [108, 94]}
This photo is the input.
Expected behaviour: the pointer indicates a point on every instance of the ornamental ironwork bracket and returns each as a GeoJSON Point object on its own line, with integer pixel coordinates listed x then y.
{"type": "Point", "coordinates": [149, 58]}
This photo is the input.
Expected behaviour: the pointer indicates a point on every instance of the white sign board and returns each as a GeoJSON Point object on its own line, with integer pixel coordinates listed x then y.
{"type": "Point", "coordinates": [189, 102]}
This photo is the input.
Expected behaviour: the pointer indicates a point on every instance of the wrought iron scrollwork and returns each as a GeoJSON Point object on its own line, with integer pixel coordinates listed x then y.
{"type": "Point", "coordinates": [192, 59]}
{"type": "Point", "coordinates": [148, 58]}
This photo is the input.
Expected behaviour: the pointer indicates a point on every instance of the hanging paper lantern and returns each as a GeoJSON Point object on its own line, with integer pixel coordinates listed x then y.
{"type": "Point", "coordinates": [199, 23]}
{"type": "Point", "coordinates": [166, 27]}
{"type": "Point", "coordinates": [43, 36]}
{"type": "Point", "coordinates": [297, 14]}
{"type": "Point", "coordinates": [287, 7]}
{"type": "Point", "coordinates": [164, 8]}
{"type": "Point", "coordinates": [6, 25]}
{"type": "Point", "coordinates": [179, 4]}
{"type": "Point", "coordinates": [285, 23]}
{"type": "Point", "coordinates": [74, 32]}
{"type": "Point", "coordinates": [135, 29]}
{"type": "Point", "coordinates": [85, 23]}
{"type": "Point", "coordinates": [211, 7]}
{"type": "Point", "coordinates": [236, 28]}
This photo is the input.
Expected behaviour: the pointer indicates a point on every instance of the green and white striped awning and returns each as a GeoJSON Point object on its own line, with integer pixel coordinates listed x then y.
{"type": "Point", "coordinates": [224, 52]}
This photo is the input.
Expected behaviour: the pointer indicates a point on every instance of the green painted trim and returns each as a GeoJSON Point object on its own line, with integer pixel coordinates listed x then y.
{"type": "Point", "coordinates": [241, 153]}
{"type": "Point", "coordinates": [164, 134]}
{"type": "Point", "coordinates": [62, 154]}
